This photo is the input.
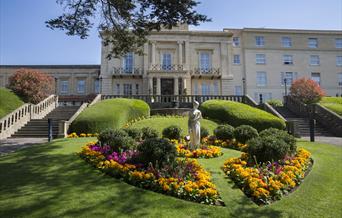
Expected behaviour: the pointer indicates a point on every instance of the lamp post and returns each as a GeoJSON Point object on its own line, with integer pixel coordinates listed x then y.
{"type": "Point", "coordinates": [285, 83]}
{"type": "Point", "coordinates": [244, 85]}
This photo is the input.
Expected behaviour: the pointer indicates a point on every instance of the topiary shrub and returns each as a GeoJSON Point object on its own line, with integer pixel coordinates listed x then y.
{"type": "Point", "coordinates": [148, 133]}
{"type": "Point", "coordinates": [237, 114]}
{"type": "Point", "coordinates": [31, 85]}
{"type": "Point", "coordinates": [156, 151]}
{"type": "Point", "coordinates": [224, 132]}
{"type": "Point", "coordinates": [283, 135]}
{"type": "Point", "coordinates": [244, 133]}
{"type": "Point", "coordinates": [204, 132]}
{"type": "Point", "coordinates": [267, 148]}
{"type": "Point", "coordinates": [117, 139]}
{"type": "Point", "coordinates": [172, 132]}
{"type": "Point", "coordinates": [306, 90]}
{"type": "Point", "coordinates": [135, 133]}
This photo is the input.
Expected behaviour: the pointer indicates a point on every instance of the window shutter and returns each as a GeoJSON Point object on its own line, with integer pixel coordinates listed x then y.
{"type": "Point", "coordinates": [282, 77]}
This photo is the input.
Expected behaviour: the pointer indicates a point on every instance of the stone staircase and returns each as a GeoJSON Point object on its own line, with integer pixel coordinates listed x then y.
{"type": "Point", "coordinates": [38, 128]}
{"type": "Point", "coordinates": [302, 123]}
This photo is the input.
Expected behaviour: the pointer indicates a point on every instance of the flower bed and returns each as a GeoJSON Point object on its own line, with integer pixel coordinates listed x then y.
{"type": "Point", "coordinates": [185, 179]}
{"type": "Point", "coordinates": [268, 182]}
{"type": "Point", "coordinates": [203, 152]}
{"type": "Point", "coordinates": [74, 135]}
{"type": "Point", "coordinates": [233, 144]}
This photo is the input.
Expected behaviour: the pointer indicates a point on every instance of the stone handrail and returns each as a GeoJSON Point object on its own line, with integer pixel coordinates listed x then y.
{"type": "Point", "coordinates": [329, 119]}
{"type": "Point", "coordinates": [95, 100]}
{"type": "Point", "coordinates": [44, 107]}
{"type": "Point", "coordinates": [296, 106]}
{"type": "Point", "coordinates": [14, 121]}
{"type": "Point", "coordinates": [64, 125]}
{"type": "Point", "coordinates": [268, 108]}
{"type": "Point", "coordinates": [250, 101]}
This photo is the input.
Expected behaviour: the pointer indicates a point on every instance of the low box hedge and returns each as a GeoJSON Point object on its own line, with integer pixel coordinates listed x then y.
{"type": "Point", "coordinates": [236, 114]}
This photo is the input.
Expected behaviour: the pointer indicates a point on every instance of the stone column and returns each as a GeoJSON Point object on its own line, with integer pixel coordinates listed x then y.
{"type": "Point", "coordinates": [180, 52]}
{"type": "Point", "coordinates": [146, 62]}
{"type": "Point", "coordinates": [153, 53]}
{"type": "Point", "coordinates": [150, 85]}
{"type": "Point", "coordinates": [158, 86]}
{"type": "Point", "coordinates": [176, 88]}
{"type": "Point", "coordinates": [184, 86]}
{"type": "Point", "coordinates": [187, 56]}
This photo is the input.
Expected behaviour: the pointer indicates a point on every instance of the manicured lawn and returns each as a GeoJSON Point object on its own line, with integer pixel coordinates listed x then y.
{"type": "Point", "coordinates": [159, 123]}
{"type": "Point", "coordinates": [51, 181]}
{"type": "Point", "coordinates": [333, 103]}
{"type": "Point", "coordinates": [8, 102]}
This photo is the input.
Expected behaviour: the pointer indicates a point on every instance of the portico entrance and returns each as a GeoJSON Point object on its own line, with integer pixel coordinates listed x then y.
{"type": "Point", "coordinates": [167, 86]}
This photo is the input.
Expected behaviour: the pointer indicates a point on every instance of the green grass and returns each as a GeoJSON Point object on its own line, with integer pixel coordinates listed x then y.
{"type": "Point", "coordinates": [49, 180]}
{"type": "Point", "coordinates": [333, 103]}
{"type": "Point", "coordinates": [8, 102]}
{"type": "Point", "coordinates": [159, 123]}
{"type": "Point", "coordinates": [236, 114]}
{"type": "Point", "coordinates": [112, 113]}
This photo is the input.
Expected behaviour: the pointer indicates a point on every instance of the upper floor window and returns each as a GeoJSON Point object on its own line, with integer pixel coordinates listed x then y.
{"type": "Point", "coordinates": [313, 43]}
{"type": "Point", "coordinates": [166, 61]}
{"type": "Point", "coordinates": [236, 59]}
{"type": "Point", "coordinates": [288, 59]}
{"type": "Point", "coordinates": [81, 86]}
{"type": "Point", "coordinates": [259, 41]}
{"type": "Point", "coordinates": [205, 61]}
{"type": "Point", "coordinates": [128, 62]}
{"type": "Point", "coordinates": [339, 79]}
{"type": "Point", "coordinates": [127, 89]}
{"type": "Point", "coordinates": [97, 86]}
{"type": "Point", "coordinates": [260, 59]}
{"type": "Point", "coordinates": [338, 60]}
{"type": "Point", "coordinates": [316, 77]}
{"type": "Point", "coordinates": [338, 43]}
{"type": "Point", "coordinates": [314, 60]}
{"type": "Point", "coordinates": [261, 79]}
{"type": "Point", "coordinates": [286, 42]}
{"type": "Point", "coordinates": [64, 86]}
{"type": "Point", "coordinates": [236, 41]}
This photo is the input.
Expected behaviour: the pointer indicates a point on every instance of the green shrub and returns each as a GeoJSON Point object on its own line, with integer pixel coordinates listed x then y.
{"type": "Point", "coordinates": [237, 114]}
{"type": "Point", "coordinates": [224, 132]}
{"type": "Point", "coordinates": [111, 113]}
{"type": "Point", "coordinates": [172, 132]}
{"type": "Point", "coordinates": [275, 103]}
{"type": "Point", "coordinates": [267, 148]}
{"type": "Point", "coordinates": [282, 135]}
{"type": "Point", "coordinates": [117, 139]}
{"type": "Point", "coordinates": [148, 133]}
{"type": "Point", "coordinates": [9, 101]}
{"type": "Point", "coordinates": [156, 151]}
{"type": "Point", "coordinates": [135, 133]}
{"type": "Point", "coordinates": [204, 132]}
{"type": "Point", "coordinates": [244, 133]}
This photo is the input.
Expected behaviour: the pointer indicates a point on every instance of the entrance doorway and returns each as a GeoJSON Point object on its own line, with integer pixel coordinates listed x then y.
{"type": "Point", "coordinates": [167, 86]}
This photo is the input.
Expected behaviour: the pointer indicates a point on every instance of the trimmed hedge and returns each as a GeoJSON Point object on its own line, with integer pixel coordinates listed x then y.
{"type": "Point", "coordinates": [109, 114]}
{"type": "Point", "coordinates": [9, 101]}
{"type": "Point", "coordinates": [236, 114]}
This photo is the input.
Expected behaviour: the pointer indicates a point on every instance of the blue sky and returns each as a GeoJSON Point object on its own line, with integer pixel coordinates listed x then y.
{"type": "Point", "coordinates": [24, 39]}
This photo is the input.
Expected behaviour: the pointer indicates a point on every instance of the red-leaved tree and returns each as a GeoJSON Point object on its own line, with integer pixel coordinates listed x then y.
{"type": "Point", "coordinates": [31, 85]}
{"type": "Point", "coordinates": [306, 90]}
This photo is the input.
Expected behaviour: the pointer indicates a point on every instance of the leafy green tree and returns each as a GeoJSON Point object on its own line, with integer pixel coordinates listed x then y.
{"type": "Point", "coordinates": [124, 24]}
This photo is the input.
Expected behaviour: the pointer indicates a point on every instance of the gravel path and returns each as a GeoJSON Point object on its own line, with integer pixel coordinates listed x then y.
{"type": "Point", "coordinates": [12, 144]}
{"type": "Point", "coordinates": [328, 140]}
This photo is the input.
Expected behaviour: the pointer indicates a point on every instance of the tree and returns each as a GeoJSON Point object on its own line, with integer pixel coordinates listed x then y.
{"type": "Point", "coordinates": [306, 90]}
{"type": "Point", "coordinates": [124, 24]}
{"type": "Point", "coordinates": [31, 85]}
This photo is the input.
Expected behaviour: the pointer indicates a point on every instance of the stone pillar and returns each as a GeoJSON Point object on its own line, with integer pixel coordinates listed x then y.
{"type": "Point", "coordinates": [180, 53]}
{"type": "Point", "coordinates": [146, 62]}
{"type": "Point", "coordinates": [153, 53]}
{"type": "Point", "coordinates": [176, 88]}
{"type": "Point", "coordinates": [184, 86]}
{"type": "Point", "coordinates": [150, 85]}
{"type": "Point", "coordinates": [158, 86]}
{"type": "Point", "coordinates": [187, 56]}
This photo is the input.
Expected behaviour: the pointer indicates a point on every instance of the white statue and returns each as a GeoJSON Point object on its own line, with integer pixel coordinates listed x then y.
{"type": "Point", "coordinates": [194, 126]}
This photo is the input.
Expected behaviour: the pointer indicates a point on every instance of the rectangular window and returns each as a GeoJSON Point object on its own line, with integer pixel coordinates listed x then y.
{"type": "Point", "coordinates": [205, 88]}
{"type": "Point", "coordinates": [137, 89]}
{"type": "Point", "coordinates": [195, 87]}
{"type": "Point", "coordinates": [205, 62]}
{"type": "Point", "coordinates": [314, 60]}
{"type": "Point", "coordinates": [316, 77]}
{"type": "Point", "coordinates": [97, 86]}
{"type": "Point", "coordinates": [128, 62]}
{"type": "Point", "coordinates": [286, 42]}
{"type": "Point", "coordinates": [261, 79]}
{"type": "Point", "coordinates": [236, 59]}
{"type": "Point", "coordinates": [216, 88]}
{"type": "Point", "coordinates": [312, 42]}
{"type": "Point", "coordinates": [238, 90]}
{"type": "Point", "coordinates": [259, 41]}
{"type": "Point", "coordinates": [167, 61]}
{"type": "Point", "coordinates": [127, 89]}
{"type": "Point", "coordinates": [236, 41]}
{"type": "Point", "coordinates": [81, 86]}
{"type": "Point", "coordinates": [118, 90]}
{"type": "Point", "coordinates": [338, 43]}
{"type": "Point", "coordinates": [338, 60]}
{"type": "Point", "coordinates": [289, 77]}
{"type": "Point", "coordinates": [339, 79]}
{"type": "Point", "coordinates": [288, 59]}
{"type": "Point", "coordinates": [260, 59]}
{"type": "Point", "coordinates": [64, 86]}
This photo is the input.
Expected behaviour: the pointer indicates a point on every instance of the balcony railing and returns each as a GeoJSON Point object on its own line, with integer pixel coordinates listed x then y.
{"type": "Point", "coordinates": [206, 72]}
{"type": "Point", "coordinates": [126, 71]}
{"type": "Point", "coordinates": [162, 67]}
